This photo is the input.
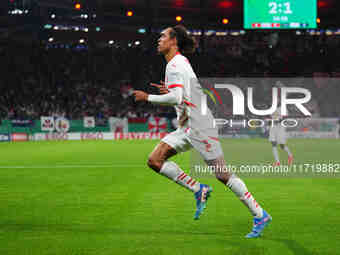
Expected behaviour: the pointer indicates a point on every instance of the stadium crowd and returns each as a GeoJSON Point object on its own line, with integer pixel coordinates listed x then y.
{"type": "Point", "coordinates": [40, 79]}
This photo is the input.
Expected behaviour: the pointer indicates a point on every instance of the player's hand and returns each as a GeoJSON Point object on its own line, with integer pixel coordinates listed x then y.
{"type": "Point", "coordinates": [161, 87]}
{"type": "Point", "coordinates": [140, 95]}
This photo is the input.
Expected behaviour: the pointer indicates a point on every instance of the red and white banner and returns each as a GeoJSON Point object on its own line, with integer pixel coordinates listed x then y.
{"type": "Point", "coordinates": [47, 123]}
{"type": "Point", "coordinates": [119, 125]}
{"type": "Point", "coordinates": [157, 124]}
{"type": "Point", "coordinates": [19, 137]}
{"type": "Point", "coordinates": [89, 122]}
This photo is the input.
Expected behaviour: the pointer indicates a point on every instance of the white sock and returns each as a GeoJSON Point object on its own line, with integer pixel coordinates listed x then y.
{"type": "Point", "coordinates": [276, 154]}
{"type": "Point", "coordinates": [240, 190]}
{"type": "Point", "coordinates": [173, 172]}
{"type": "Point", "coordinates": [285, 147]}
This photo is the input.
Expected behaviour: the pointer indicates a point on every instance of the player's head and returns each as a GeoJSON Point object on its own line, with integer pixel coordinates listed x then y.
{"type": "Point", "coordinates": [176, 38]}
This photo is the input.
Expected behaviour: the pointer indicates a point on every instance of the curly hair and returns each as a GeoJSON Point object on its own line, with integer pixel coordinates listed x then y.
{"type": "Point", "coordinates": [185, 43]}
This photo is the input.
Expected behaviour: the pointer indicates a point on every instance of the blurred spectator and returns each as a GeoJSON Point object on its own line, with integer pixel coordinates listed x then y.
{"type": "Point", "coordinates": [72, 82]}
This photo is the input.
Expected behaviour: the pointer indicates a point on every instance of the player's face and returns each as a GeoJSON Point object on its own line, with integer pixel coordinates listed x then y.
{"type": "Point", "coordinates": [165, 42]}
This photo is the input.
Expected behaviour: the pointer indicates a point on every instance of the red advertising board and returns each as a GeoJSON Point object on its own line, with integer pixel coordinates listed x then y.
{"type": "Point", "coordinates": [19, 137]}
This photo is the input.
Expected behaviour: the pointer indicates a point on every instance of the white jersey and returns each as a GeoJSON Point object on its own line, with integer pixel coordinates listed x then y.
{"type": "Point", "coordinates": [277, 133]}
{"type": "Point", "coordinates": [179, 75]}
{"type": "Point", "coordinates": [277, 114]}
{"type": "Point", "coordinates": [195, 129]}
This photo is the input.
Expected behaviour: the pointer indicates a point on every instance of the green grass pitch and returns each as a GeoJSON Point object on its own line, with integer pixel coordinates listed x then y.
{"type": "Point", "coordinates": [99, 197]}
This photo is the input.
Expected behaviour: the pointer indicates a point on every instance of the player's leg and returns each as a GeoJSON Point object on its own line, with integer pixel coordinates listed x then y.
{"type": "Point", "coordinates": [273, 140]}
{"type": "Point", "coordinates": [282, 141]}
{"type": "Point", "coordinates": [276, 154]}
{"type": "Point", "coordinates": [236, 185]}
{"type": "Point", "coordinates": [290, 155]}
{"type": "Point", "coordinates": [159, 155]}
{"type": "Point", "coordinates": [158, 161]}
{"type": "Point", "coordinates": [239, 188]}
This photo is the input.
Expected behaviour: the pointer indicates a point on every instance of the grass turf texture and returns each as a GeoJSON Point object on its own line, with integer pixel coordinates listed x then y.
{"type": "Point", "coordinates": [98, 197]}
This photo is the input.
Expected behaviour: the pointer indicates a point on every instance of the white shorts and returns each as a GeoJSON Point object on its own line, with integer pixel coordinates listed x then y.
{"type": "Point", "coordinates": [209, 147]}
{"type": "Point", "coordinates": [277, 134]}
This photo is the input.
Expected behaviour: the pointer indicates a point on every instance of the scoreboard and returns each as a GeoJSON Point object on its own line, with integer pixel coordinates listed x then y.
{"type": "Point", "coordinates": [280, 14]}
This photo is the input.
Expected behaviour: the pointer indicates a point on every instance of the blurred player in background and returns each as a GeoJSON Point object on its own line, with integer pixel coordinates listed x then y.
{"type": "Point", "coordinates": [194, 131]}
{"type": "Point", "coordinates": [277, 135]}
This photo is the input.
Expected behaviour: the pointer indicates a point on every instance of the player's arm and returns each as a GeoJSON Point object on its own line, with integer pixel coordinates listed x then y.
{"type": "Point", "coordinates": [174, 97]}
{"type": "Point", "coordinates": [175, 88]}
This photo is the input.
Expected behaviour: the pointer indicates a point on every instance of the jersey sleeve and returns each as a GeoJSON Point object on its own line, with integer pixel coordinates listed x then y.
{"type": "Point", "coordinates": [174, 82]}
{"type": "Point", "coordinates": [174, 97]}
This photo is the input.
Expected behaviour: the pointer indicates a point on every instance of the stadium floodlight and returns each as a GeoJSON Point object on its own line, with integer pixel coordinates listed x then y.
{"type": "Point", "coordinates": [77, 6]}
{"type": "Point", "coordinates": [225, 21]}
{"type": "Point", "coordinates": [17, 11]}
